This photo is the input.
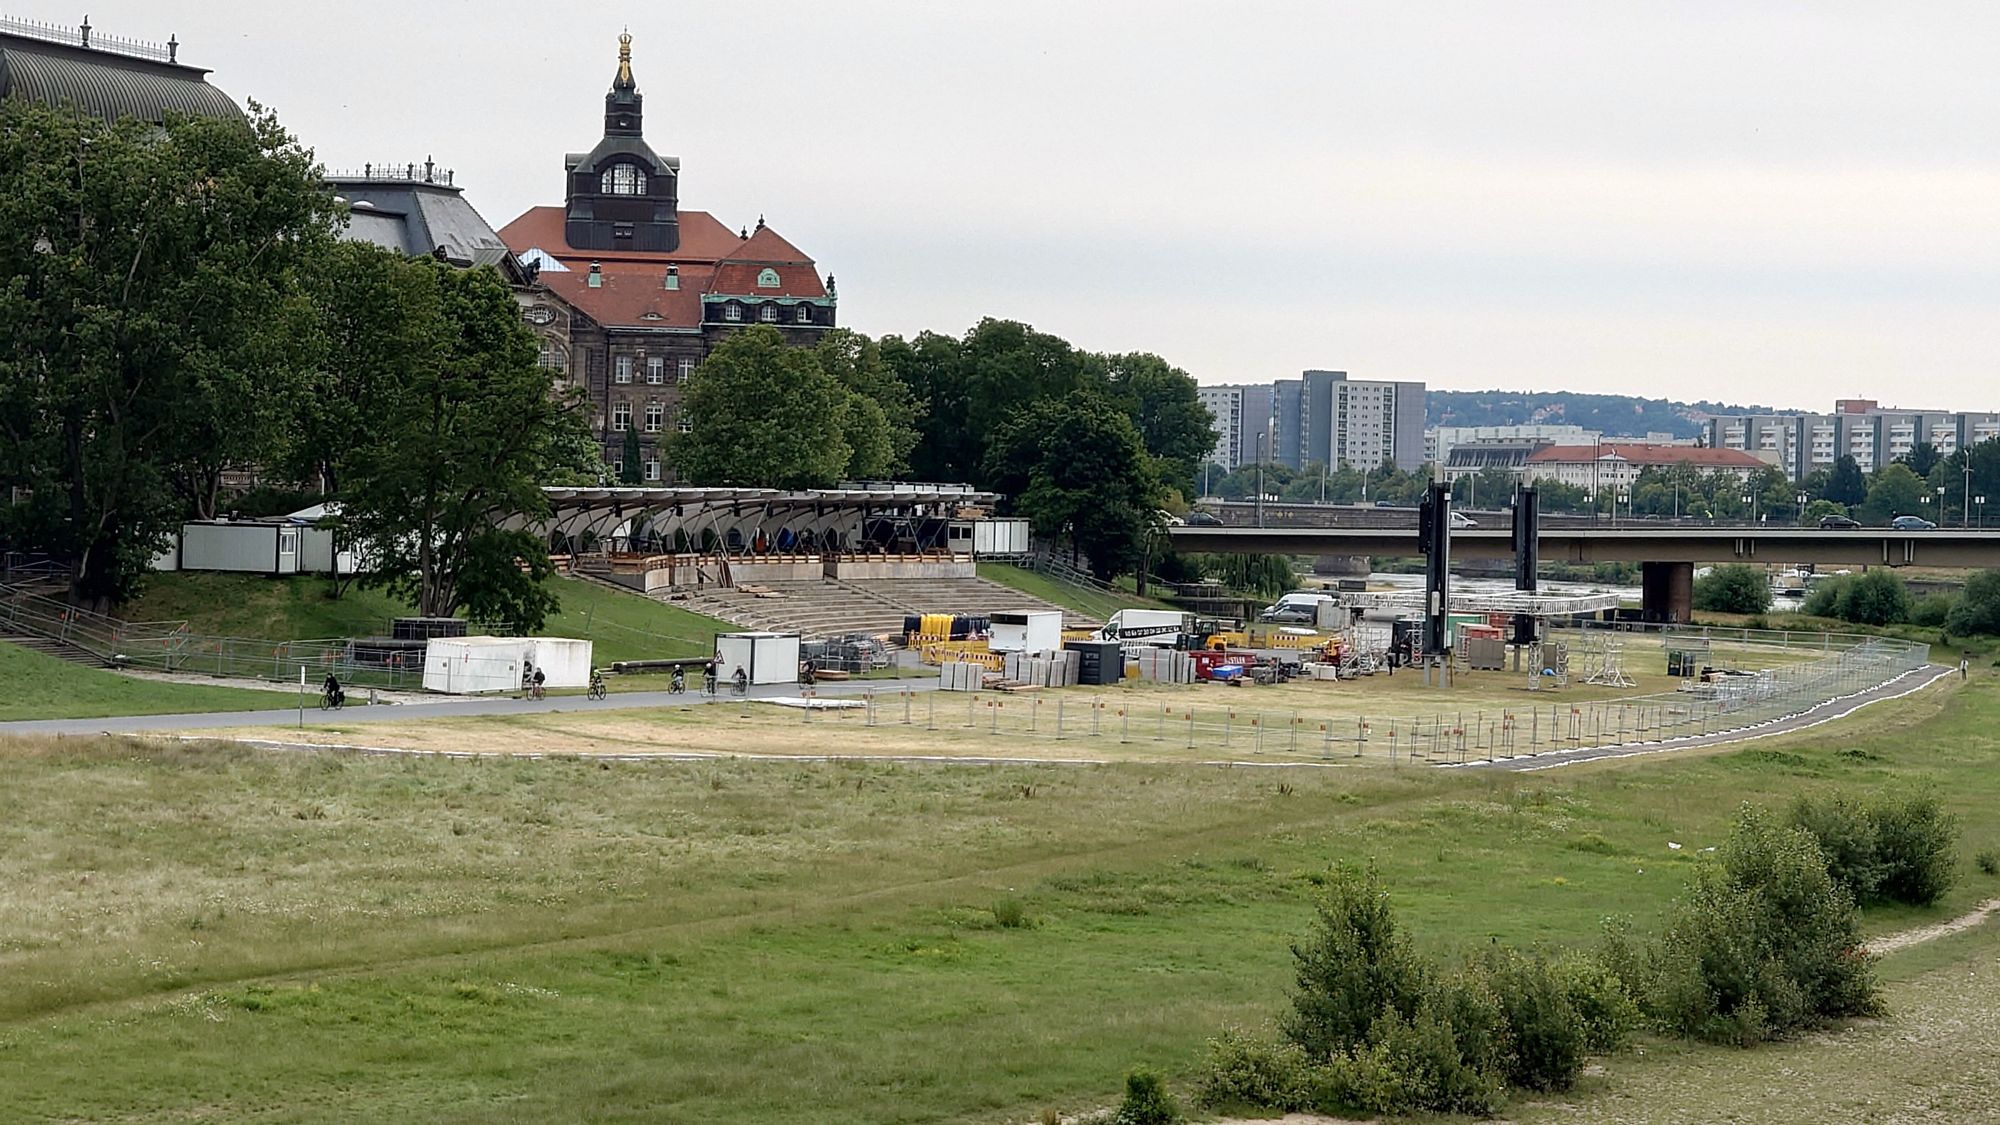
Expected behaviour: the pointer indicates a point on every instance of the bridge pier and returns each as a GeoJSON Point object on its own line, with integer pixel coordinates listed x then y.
{"type": "Point", "coordinates": [1666, 591]}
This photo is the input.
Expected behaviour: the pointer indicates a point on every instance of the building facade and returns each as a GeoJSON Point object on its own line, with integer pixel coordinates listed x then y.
{"type": "Point", "coordinates": [628, 292]}
{"type": "Point", "coordinates": [1326, 417]}
{"type": "Point", "coordinates": [104, 75]}
{"type": "Point", "coordinates": [1440, 441]}
{"type": "Point", "coordinates": [1802, 444]}
{"type": "Point", "coordinates": [1242, 423]}
{"type": "Point", "coordinates": [1617, 464]}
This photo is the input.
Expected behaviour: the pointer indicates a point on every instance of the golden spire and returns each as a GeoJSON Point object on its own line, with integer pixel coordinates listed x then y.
{"type": "Point", "coordinates": [625, 57]}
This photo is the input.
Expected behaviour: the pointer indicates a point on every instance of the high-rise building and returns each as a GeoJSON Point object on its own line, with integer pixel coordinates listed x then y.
{"type": "Point", "coordinates": [1242, 415]}
{"type": "Point", "coordinates": [1803, 444]}
{"type": "Point", "coordinates": [1326, 417]}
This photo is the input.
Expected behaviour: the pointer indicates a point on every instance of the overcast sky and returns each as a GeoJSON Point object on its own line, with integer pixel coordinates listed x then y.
{"type": "Point", "coordinates": [1755, 202]}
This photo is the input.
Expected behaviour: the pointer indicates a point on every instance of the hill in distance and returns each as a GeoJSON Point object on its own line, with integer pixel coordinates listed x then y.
{"type": "Point", "coordinates": [1612, 414]}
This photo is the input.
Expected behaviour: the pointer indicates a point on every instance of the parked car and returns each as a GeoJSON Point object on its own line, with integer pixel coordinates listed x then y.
{"type": "Point", "coordinates": [1837, 523]}
{"type": "Point", "coordinates": [1912, 523]}
{"type": "Point", "coordinates": [1199, 518]}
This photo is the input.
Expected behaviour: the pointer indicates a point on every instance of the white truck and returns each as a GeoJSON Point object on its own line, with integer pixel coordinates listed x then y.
{"type": "Point", "coordinates": [1159, 628]}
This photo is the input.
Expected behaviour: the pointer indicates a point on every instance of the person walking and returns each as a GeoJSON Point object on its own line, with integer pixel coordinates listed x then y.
{"type": "Point", "coordinates": [1964, 666]}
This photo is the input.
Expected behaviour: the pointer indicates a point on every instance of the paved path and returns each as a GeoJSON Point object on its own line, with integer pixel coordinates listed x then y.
{"type": "Point", "coordinates": [1905, 684]}
{"type": "Point", "coordinates": [390, 713]}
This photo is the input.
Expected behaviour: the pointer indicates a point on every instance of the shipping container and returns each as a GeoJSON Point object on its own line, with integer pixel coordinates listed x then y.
{"type": "Point", "coordinates": [1033, 631]}
{"type": "Point", "coordinates": [765, 658]}
{"type": "Point", "coordinates": [253, 547]}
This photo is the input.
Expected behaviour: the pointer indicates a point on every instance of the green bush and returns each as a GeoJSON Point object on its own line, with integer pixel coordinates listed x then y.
{"type": "Point", "coordinates": [1605, 1011]}
{"type": "Point", "coordinates": [1242, 1070]}
{"type": "Point", "coordinates": [1988, 861]}
{"type": "Point", "coordinates": [1734, 588]}
{"type": "Point", "coordinates": [1877, 597]}
{"type": "Point", "coordinates": [1545, 1035]}
{"type": "Point", "coordinates": [1916, 842]}
{"type": "Point", "coordinates": [1977, 610]}
{"type": "Point", "coordinates": [1351, 968]}
{"type": "Point", "coordinates": [1764, 943]}
{"type": "Point", "coordinates": [1413, 1065]}
{"type": "Point", "coordinates": [1146, 1101]}
{"type": "Point", "coordinates": [1009, 914]}
{"type": "Point", "coordinates": [1932, 610]}
{"type": "Point", "coordinates": [1845, 832]}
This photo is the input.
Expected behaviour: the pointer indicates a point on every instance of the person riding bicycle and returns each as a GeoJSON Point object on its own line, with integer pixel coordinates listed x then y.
{"type": "Point", "coordinates": [742, 682]}
{"type": "Point", "coordinates": [708, 677]}
{"type": "Point", "coordinates": [540, 679]}
{"type": "Point", "coordinates": [679, 682]}
{"type": "Point", "coordinates": [329, 690]}
{"type": "Point", "coordinates": [597, 688]}
{"type": "Point", "coordinates": [807, 673]}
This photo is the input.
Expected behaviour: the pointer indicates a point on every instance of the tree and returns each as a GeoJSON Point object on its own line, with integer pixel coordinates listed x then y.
{"type": "Point", "coordinates": [765, 415]}
{"type": "Point", "coordinates": [150, 298]}
{"type": "Point", "coordinates": [1922, 458]}
{"type": "Point", "coordinates": [630, 471]}
{"type": "Point", "coordinates": [1977, 611]}
{"type": "Point", "coordinates": [1895, 491]}
{"type": "Point", "coordinates": [464, 438]}
{"type": "Point", "coordinates": [1176, 429]}
{"type": "Point", "coordinates": [1734, 588]}
{"type": "Point", "coordinates": [1846, 485]}
{"type": "Point", "coordinates": [1076, 469]}
{"type": "Point", "coordinates": [880, 424]}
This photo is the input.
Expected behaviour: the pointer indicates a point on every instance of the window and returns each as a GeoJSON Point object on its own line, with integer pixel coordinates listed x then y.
{"type": "Point", "coordinates": [654, 414]}
{"type": "Point", "coordinates": [622, 179]}
{"type": "Point", "coordinates": [768, 314]}
{"type": "Point", "coordinates": [652, 470]}
{"type": "Point", "coordinates": [805, 314]}
{"type": "Point", "coordinates": [656, 369]}
{"type": "Point", "coordinates": [623, 367]}
{"type": "Point", "coordinates": [682, 422]}
{"type": "Point", "coordinates": [621, 417]}
{"type": "Point", "coordinates": [552, 356]}
{"type": "Point", "coordinates": [618, 468]}
{"type": "Point", "coordinates": [687, 370]}
{"type": "Point", "coordinates": [732, 312]}
{"type": "Point", "coordinates": [767, 279]}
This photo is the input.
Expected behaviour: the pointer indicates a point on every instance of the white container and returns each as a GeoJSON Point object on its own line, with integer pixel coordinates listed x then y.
{"type": "Point", "coordinates": [563, 661]}
{"type": "Point", "coordinates": [1161, 628]}
{"type": "Point", "coordinates": [1034, 631]}
{"type": "Point", "coordinates": [243, 548]}
{"type": "Point", "coordinates": [1000, 537]}
{"type": "Point", "coordinates": [471, 665]}
{"type": "Point", "coordinates": [766, 658]}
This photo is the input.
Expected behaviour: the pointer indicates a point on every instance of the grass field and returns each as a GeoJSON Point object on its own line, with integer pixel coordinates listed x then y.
{"type": "Point", "coordinates": [204, 931]}
{"type": "Point", "coordinates": [1097, 605]}
{"type": "Point", "coordinates": [33, 686]}
{"type": "Point", "coordinates": [621, 626]}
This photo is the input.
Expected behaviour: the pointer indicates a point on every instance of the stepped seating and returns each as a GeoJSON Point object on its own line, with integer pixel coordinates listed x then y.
{"type": "Point", "coordinates": [833, 607]}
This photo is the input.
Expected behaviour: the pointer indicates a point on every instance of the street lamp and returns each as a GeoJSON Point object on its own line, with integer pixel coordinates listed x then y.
{"type": "Point", "coordinates": [1965, 517]}
{"type": "Point", "coordinates": [1981, 501]}
{"type": "Point", "coordinates": [1750, 498]}
{"type": "Point", "coordinates": [1801, 499]}
{"type": "Point", "coordinates": [1260, 479]}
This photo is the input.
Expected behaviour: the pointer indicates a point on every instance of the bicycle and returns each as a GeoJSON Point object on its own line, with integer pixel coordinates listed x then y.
{"type": "Point", "coordinates": [598, 690]}
{"type": "Point", "coordinates": [332, 699]}
{"type": "Point", "coordinates": [742, 684]}
{"type": "Point", "coordinates": [678, 683]}
{"type": "Point", "coordinates": [535, 691]}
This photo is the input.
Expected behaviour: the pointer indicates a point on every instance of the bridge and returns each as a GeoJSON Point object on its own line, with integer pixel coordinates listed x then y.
{"type": "Point", "coordinates": [1667, 554]}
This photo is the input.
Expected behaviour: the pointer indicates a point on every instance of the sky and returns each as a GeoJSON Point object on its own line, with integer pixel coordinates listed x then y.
{"type": "Point", "coordinates": [1768, 203]}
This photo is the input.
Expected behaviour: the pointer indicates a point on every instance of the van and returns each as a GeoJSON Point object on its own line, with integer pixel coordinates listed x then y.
{"type": "Point", "coordinates": [1297, 608]}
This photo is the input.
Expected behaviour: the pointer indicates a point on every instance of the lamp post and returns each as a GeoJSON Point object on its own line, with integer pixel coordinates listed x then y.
{"type": "Point", "coordinates": [1940, 496]}
{"type": "Point", "coordinates": [1750, 498]}
{"type": "Point", "coordinates": [1260, 479]}
{"type": "Point", "coordinates": [1965, 517]}
{"type": "Point", "coordinates": [1802, 498]}
{"type": "Point", "coordinates": [1981, 501]}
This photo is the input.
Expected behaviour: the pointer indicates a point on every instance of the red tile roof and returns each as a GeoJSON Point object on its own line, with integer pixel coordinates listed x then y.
{"type": "Point", "coordinates": [633, 294]}
{"type": "Point", "coordinates": [1647, 453]}
{"type": "Point", "coordinates": [703, 239]}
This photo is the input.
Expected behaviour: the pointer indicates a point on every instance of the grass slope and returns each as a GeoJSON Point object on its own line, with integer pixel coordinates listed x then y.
{"type": "Point", "coordinates": [42, 687]}
{"type": "Point", "coordinates": [1095, 604]}
{"type": "Point", "coordinates": [623, 626]}
{"type": "Point", "coordinates": [191, 931]}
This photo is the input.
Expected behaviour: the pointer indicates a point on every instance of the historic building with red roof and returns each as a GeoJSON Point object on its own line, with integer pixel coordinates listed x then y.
{"type": "Point", "coordinates": [628, 292]}
{"type": "Point", "coordinates": [1617, 464]}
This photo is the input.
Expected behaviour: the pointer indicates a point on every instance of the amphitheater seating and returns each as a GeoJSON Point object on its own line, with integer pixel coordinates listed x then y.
{"type": "Point", "coordinates": [831, 607]}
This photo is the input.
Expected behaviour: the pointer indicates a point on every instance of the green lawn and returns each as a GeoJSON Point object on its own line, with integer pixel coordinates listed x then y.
{"type": "Point", "coordinates": [211, 932]}
{"type": "Point", "coordinates": [623, 626]}
{"type": "Point", "coordinates": [1095, 604]}
{"type": "Point", "coordinates": [33, 686]}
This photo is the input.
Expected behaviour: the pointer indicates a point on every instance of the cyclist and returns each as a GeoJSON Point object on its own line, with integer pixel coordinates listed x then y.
{"type": "Point", "coordinates": [597, 688]}
{"type": "Point", "coordinates": [330, 695]}
{"type": "Point", "coordinates": [708, 678]}
{"type": "Point", "coordinates": [540, 679]}
{"type": "Point", "coordinates": [679, 683]}
{"type": "Point", "coordinates": [807, 673]}
{"type": "Point", "coordinates": [742, 682]}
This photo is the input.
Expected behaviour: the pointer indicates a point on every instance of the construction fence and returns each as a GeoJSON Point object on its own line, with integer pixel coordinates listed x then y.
{"type": "Point", "coordinates": [1441, 736]}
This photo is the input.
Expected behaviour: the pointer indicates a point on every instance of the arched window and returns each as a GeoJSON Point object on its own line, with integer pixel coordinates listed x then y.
{"type": "Point", "coordinates": [805, 314]}
{"type": "Point", "coordinates": [768, 279]}
{"type": "Point", "coordinates": [622, 179]}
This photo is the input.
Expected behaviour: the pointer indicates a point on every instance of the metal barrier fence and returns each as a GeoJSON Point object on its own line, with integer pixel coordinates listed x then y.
{"type": "Point", "coordinates": [1438, 737]}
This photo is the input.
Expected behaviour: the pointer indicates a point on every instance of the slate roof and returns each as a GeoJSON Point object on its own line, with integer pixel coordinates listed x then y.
{"type": "Point", "coordinates": [415, 217]}
{"type": "Point", "coordinates": [106, 84]}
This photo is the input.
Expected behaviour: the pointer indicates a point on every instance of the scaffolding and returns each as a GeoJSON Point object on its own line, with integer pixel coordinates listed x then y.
{"type": "Point", "coordinates": [1510, 602]}
{"type": "Point", "coordinates": [1604, 662]}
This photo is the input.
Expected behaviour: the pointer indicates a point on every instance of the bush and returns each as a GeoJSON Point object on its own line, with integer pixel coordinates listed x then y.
{"type": "Point", "coordinates": [1932, 611]}
{"type": "Point", "coordinates": [1734, 588]}
{"type": "Point", "coordinates": [1977, 610]}
{"type": "Point", "coordinates": [1605, 1011]}
{"type": "Point", "coordinates": [1351, 968]}
{"type": "Point", "coordinates": [1241, 1070]}
{"type": "Point", "coordinates": [1544, 1043]}
{"type": "Point", "coordinates": [1413, 1065]}
{"type": "Point", "coordinates": [1916, 843]}
{"type": "Point", "coordinates": [1146, 1101]}
{"type": "Point", "coordinates": [1764, 943]}
{"type": "Point", "coordinates": [1845, 832]}
{"type": "Point", "coordinates": [1988, 861]}
{"type": "Point", "coordinates": [1877, 597]}
{"type": "Point", "coordinates": [1009, 914]}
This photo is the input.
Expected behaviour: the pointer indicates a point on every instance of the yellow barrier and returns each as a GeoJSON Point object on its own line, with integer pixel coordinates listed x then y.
{"type": "Point", "coordinates": [969, 652]}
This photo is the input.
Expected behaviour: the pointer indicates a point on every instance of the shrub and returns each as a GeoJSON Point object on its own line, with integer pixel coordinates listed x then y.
{"type": "Point", "coordinates": [1764, 943]}
{"type": "Point", "coordinates": [1146, 1101]}
{"type": "Point", "coordinates": [1988, 861]}
{"type": "Point", "coordinates": [1605, 1011]}
{"type": "Point", "coordinates": [1845, 831]}
{"type": "Point", "coordinates": [1351, 968]}
{"type": "Point", "coordinates": [1877, 597]}
{"type": "Point", "coordinates": [1977, 610]}
{"type": "Point", "coordinates": [1932, 611]}
{"type": "Point", "coordinates": [1009, 914]}
{"type": "Point", "coordinates": [1916, 843]}
{"type": "Point", "coordinates": [1544, 1044]}
{"type": "Point", "coordinates": [1241, 1070]}
{"type": "Point", "coordinates": [1413, 1065]}
{"type": "Point", "coordinates": [1734, 588]}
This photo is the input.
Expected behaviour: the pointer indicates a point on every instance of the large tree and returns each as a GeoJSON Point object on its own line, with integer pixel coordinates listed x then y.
{"type": "Point", "coordinates": [1846, 485]}
{"type": "Point", "coordinates": [455, 451]}
{"type": "Point", "coordinates": [1076, 468]}
{"type": "Point", "coordinates": [1895, 491]}
{"type": "Point", "coordinates": [764, 414]}
{"type": "Point", "coordinates": [151, 302]}
{"type": "Point", "coordinates": [882, 413]}
{"type": "Point", "coordinates": [1178, 431]}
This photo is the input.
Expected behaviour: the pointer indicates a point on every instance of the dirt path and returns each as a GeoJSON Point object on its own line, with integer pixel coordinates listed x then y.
{"type": "Point", "coordinates": [1890, 943]}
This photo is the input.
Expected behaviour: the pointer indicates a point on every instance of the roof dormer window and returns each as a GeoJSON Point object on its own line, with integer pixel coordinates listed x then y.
{"type": "Point", "coordinates": [622, 179]}
{"type": "Point", "coordinates": [768, 279]}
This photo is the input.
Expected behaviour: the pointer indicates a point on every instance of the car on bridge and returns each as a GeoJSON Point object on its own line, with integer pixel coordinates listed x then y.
{"type": "Point", "coordinates": [1912, 523]}
{"type": "Point", "coordinates": [1198, 518]}
{"type": "Point", "coordinates": [1838, 523]}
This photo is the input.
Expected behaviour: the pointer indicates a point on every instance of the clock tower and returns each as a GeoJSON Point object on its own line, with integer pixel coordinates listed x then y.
{"type": "Point", "coordinates": [622, 196]}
